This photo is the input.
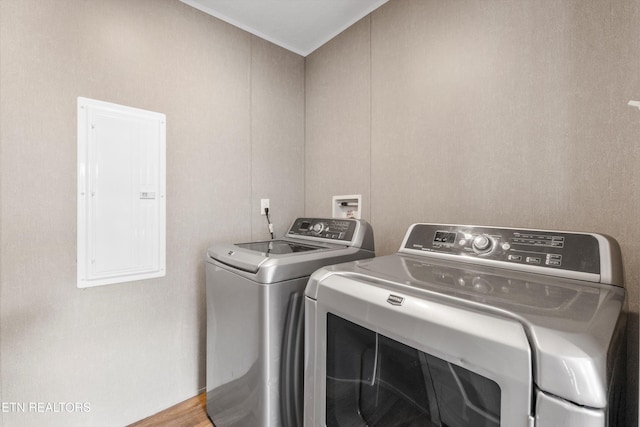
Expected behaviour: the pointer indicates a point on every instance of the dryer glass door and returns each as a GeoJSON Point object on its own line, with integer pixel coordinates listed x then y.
{"type": "Point", "coordinates": [382, 354]}
{"type": "Point", "coordinates": [375, 381]}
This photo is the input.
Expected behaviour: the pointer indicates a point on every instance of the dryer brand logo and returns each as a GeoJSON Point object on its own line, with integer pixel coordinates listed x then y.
{"type": "Point", "coordinates": [395, 300]}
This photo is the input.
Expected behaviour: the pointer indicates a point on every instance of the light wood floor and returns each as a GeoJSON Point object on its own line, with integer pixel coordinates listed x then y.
{"type": "Point", "coordinates": [190, 413]}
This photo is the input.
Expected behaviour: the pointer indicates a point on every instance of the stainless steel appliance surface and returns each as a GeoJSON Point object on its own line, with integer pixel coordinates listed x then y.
{"type": "Point", "coordinates": [469, 326]}
{"type": "Point", "coordinates": [255, 320]}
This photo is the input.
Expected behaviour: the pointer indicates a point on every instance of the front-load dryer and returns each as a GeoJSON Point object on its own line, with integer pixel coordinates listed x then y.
{"type": "Point", "coordinates": [469, 326]}
{"type": "Point", "coordinates": [255, 320]}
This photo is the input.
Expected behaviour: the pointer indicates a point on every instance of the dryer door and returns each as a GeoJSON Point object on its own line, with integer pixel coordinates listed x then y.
{"type": "Point", "coordinates": [380, 357]}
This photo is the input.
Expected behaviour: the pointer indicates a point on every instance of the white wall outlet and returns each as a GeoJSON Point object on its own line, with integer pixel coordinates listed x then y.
{"type": "Point", "coordinates": [264, 203]}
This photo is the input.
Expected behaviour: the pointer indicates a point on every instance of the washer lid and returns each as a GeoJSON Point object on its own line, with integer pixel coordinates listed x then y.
{"type": "Point", "coordinates": [289, 259]}
{"type": "Point", "coordinates": [252, 256]}
{"type": "Point", "coordinates": [278, 247]}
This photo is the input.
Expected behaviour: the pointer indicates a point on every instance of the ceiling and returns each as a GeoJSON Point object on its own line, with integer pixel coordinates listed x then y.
{"type": "Point", "coordinates": [300, 26]}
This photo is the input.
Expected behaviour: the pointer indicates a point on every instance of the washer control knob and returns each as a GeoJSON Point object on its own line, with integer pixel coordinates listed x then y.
{"type": "Point", "coordinates": [318, 227]}
{"type": "Point", "coordinates": [482, 244]}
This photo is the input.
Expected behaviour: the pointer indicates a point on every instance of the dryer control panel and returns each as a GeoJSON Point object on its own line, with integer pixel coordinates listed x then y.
{"type": "Point", "coordinates": [324, 228]}
{"type": "Point", "coordinates": [544, 251]}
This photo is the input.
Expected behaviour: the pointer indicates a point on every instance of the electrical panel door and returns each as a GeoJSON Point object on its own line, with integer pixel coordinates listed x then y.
{"type": "Point", "coordinates": [121, 193]}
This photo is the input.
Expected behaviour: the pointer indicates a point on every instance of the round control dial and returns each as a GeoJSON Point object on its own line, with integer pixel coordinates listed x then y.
{"type": "Point", "coordinates": [482, 244]}
{"type": "Point", "coordinates": [317, 227]}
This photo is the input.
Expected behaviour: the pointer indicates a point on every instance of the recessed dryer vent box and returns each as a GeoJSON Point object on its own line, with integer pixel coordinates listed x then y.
{"type": "Point", "coordinates": [347, 206]}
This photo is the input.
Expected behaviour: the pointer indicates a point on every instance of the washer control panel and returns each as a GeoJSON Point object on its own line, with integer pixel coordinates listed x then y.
{"type": "Point", "coordinates": [324, 228]}
{"type": "Point", "coordinates": [578, 252]}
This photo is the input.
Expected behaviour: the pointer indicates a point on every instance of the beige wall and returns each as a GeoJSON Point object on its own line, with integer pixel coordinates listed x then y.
{"type": "Point", "coordinates": [235, 131]}
{"type": "Point", "coordinates": [338, 122]}
{"type": "Point", "coordinates": [507, 113]}
{"type": "Point", "coordinates": [470, 111]}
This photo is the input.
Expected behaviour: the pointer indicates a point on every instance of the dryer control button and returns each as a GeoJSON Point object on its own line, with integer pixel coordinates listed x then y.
{"type": "Point", "coordinates": [482, 243]}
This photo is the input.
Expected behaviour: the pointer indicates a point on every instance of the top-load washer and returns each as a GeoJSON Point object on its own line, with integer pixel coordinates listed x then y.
{"type": "Point", "coordinates": [255, 320]}
{"type": "Point", "coordinates": [469, 326]}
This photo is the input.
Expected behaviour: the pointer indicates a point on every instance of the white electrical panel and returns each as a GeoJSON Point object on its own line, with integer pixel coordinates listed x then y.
{"type": "Point", "coordinates": [347, 206]}
{"type": "Point", "coordinates": [121, 193]}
